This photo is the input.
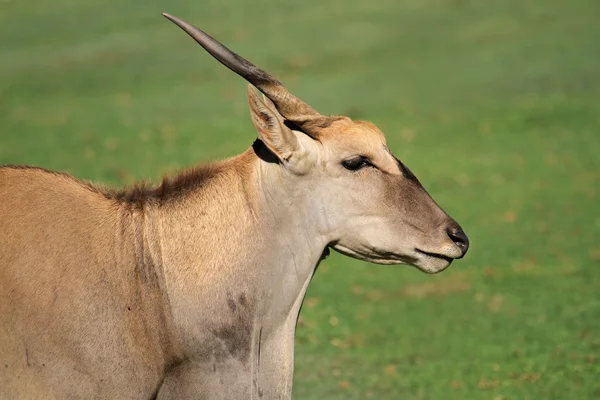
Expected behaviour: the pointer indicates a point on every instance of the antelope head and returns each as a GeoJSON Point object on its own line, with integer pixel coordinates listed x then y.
{"type": "Point", "coordinates": [369, 204]}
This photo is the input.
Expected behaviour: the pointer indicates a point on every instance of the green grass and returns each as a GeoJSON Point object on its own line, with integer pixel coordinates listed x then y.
{"type": "Point", "coordinates": [494, 105]}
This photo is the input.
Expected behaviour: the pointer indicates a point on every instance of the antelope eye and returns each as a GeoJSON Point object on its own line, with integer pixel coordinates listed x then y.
{"type": "Point", "coordinates": [355, 163]}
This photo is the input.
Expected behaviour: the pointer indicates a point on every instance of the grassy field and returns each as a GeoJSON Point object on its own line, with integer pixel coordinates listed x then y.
{"type": "Point", "coordinates": [494, 105]}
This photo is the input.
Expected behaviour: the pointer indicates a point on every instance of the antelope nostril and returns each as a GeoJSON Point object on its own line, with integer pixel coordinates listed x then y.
{"type": "Point", "coordinates": [459, 238]}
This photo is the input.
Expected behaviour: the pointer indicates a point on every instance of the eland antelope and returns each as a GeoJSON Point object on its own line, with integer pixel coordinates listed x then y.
{"type": "Point", "coordinates": [191, 289]}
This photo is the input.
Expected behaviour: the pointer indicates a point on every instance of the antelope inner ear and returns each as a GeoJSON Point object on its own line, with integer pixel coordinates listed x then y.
{"type": "Point", "coordinates": [271, 127]}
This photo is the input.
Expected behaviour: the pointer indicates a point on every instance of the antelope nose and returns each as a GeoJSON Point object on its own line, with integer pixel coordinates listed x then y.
{"type": "Point", "coordinates": [459, 238]}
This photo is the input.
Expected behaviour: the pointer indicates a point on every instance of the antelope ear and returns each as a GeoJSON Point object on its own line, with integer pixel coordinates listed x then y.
{"type": "Point", "coordinates": [271, 128]}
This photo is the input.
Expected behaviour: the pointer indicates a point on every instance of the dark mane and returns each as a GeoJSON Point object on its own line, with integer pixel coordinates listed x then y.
{"type": "Point", "coordinates": [170, 188]}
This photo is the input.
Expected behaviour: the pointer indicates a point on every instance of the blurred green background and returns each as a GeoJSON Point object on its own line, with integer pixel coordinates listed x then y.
{"type": "Point", "coordinates": [495, 105]}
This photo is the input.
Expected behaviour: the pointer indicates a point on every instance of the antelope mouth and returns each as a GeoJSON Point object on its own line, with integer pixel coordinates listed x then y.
{"type": "Point", "coordinates": [435, 255]}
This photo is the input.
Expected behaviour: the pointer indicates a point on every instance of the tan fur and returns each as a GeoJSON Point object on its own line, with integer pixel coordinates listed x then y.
{"type": "Point", "coordinates": [111, 292]}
